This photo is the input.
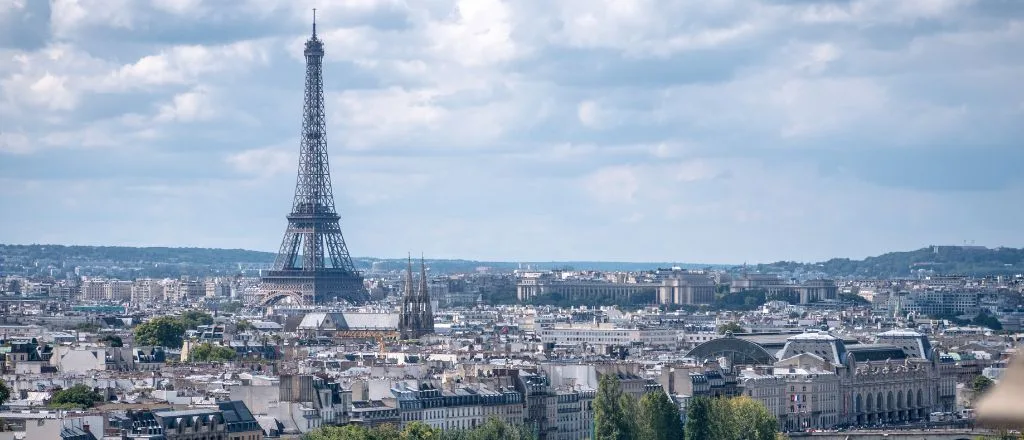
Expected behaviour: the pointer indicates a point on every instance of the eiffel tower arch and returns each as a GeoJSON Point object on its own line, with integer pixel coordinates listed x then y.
{"type": "Point", "coordinates": [313, 264]}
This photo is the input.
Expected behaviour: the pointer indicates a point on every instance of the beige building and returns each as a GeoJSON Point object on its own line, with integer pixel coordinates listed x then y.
{"type": "Point", "coordinates": [118, 291]}
{"type": "Point", "coordinates": [93, 290]}
{"type": "Point", "coordinates": [607, 335]}
{"type": "Point", "coordinates": [683, 287]}
{"type": "Point", "coordinates": [811, 393]}
{"type": "Point", "coordinates": [767, 389]}
{"type": "Point", "coordinates": [147, 291]}
{"type": "Point", "coordinates": [878, 383]}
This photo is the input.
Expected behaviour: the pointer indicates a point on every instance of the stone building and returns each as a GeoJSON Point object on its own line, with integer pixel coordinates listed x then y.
{"type": "Point", "coordinates": [878, 383]}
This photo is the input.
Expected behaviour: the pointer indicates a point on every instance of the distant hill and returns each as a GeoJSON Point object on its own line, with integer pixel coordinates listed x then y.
{"type": "Point", "coordinates": [961, 260]}
{"type": "Point", "coordinates": [127, 262]}
{"type": "Point", "coordinates": [167, 255]}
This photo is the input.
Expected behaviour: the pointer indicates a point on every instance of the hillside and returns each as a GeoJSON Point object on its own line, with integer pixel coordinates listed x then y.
{"type": "Point", "coordinates": [129, 262]}
{"type": "Point", "coordinates": [133, 262]}
{"type": "Point", "coordinates": [961, 260]}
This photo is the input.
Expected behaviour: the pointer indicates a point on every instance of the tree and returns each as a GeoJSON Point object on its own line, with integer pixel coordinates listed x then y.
{"type": "Point", "coordinates": [740, 418]}
{"type": "Point", "coordinates": [420, 431]}
{"type": "Point", "coordinates": [5, 392]}
{"type": "Point", "coordinates": [243, 325]}
{"type": "Point", "coordinates": [230, 306]}
{"type": "Point", "coordinates": [207, 352]}
{"type": "Point", "coordinates": [658, 418]}
{"type": "Point", "coordinates": [733, 327]}
{"type": "Point", "coordinates": [79, 396]}
{"type": "Point", "coordinates": [981, 384]}
{"type": "Point", "coordinates": [752, 420]}
{"type": "Point", "coordinates": [192, 319]}
{"type": "Point", "coordinates": [630, 409]}
{"type": "Point", "coordinates": [87, 327]}
{"type": "Point", "coordinates": [113, 340]}
{"type": "Point", "coordinates": [698, 419]}
{"type": "Point", "coordinates": [986, 320]}
{"type": "Point", "coordinates": [164, 331]}
{"type": "Point", "coordinates": [492, 429]}
{"type": "Point", "coordinates": [610, 421]}
{"type": "Point", "coordinates": [723, 427]}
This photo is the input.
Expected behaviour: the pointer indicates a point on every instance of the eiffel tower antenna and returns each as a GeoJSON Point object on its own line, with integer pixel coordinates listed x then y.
{"type": "Point", "coordinates": [313, 265]}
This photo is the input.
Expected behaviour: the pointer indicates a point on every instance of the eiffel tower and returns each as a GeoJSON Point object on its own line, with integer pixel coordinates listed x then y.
{"type": "Point", "coordinates": [313, 265]}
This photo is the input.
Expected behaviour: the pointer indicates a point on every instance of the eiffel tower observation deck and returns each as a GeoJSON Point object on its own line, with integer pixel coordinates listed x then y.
{"type": "Point", "coordinates": [313, 265]}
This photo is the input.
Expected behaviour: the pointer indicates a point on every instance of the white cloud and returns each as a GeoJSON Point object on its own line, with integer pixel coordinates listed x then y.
{"type": "Point", "coordinates": [49, 91]}
{"type": "Point", "coordinates": [589, 113]}
{"type": "Point", "coordinates": [14, 143]}
{"type": "Point", "coordinates": [179, 7]}
{"type": "Point", "coordinates": [263, 162]}
{"type": "Point", "coordinates": [67, 17]}
{"type": "Point", "coordinates": [194, 105]}
{"type": "Point", "coordinates": [185, 64]}
{"type": "Point", "coordinates": [11, 7]}
{"type": "Point", "coordinates": [479, 34]}
{"type": "Point", "coordinates": [617, 184]}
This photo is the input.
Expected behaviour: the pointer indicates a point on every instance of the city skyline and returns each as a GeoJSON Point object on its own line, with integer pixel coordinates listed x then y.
{"type": "Point", "coordinates": [499, 133]}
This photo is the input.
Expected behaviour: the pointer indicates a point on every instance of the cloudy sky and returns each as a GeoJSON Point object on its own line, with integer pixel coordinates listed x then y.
{"type": "Point", "coordinates": [691, 131]}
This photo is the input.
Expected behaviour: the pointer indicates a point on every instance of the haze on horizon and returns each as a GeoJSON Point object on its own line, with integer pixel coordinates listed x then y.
{"type": "Point", "coordinates": [717, 132]}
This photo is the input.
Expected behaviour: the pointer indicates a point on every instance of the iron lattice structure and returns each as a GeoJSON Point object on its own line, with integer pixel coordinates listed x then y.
{"type": "Point", "coordinates": [313, 265]}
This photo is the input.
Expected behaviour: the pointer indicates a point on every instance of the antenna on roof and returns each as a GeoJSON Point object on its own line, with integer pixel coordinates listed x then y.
{"type": "Point", "coordinates": [314, 22]}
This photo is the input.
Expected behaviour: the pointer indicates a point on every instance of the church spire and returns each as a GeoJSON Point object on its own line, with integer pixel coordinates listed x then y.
{"type": "Point", "coordinates": [423, 294]}
{"type": "Point", "coordinates": [408, 280]}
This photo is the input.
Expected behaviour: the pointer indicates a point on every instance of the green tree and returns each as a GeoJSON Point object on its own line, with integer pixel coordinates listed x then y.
{"type": "Point", "coordinates": [698, 419]}
{"type": "Point", "coordinates": [492, 429]}
{"type": "Point", "coordinates": [243, 325]}
{"type": "Point", "coordinates": [207, 352]}
{"type": "Point", "coordinates": [113, 340]}
{"type": "Point", "coordinates": [723, 426]}
{"type": "Point", "coordinates": [5, 392]}
{"type": "Point", "coordinates": [752, 420]}
{"type": "Point", "coordinates": [420, 431]}
{"type": "Point", "coordinates": [610, 421]}
{"type": "Point", "coordinates": [347, 432]}
{"type": "Point", "coordinates": [630, 407]}
{"type": "Point", "coordinates": [230, 306]}
{"type": "Point", "coordinates": [733, 327]}
{"type": "Point", "coordinates": [193, 318]}
{"type": "Point", "coordinates": [163, 331]}
{"type": "Point", "coordinates": [87, 327]}
{"type": "Point", "coordinates": [981, 384]}
{"type": "Point", "coordinates": [79, 396]}
{"type": "Point", "coordinates": [658, 418]}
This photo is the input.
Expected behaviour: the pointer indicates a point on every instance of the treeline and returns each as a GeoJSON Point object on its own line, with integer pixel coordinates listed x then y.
{"type": "Point", "coordinates": [965, 260]}
{"type": "Point", "coordinates": [168, 255]}
{"type": "Point", "coordinates": [492, 429]}
{"type": "Point", "coordinates": [618, 416]}
{"type": "Point", "coordinates": [737, 418]}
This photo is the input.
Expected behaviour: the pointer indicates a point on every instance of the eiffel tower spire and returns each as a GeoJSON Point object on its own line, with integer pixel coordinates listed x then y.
{"type": "Point", "coordinates": [313, 264]}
